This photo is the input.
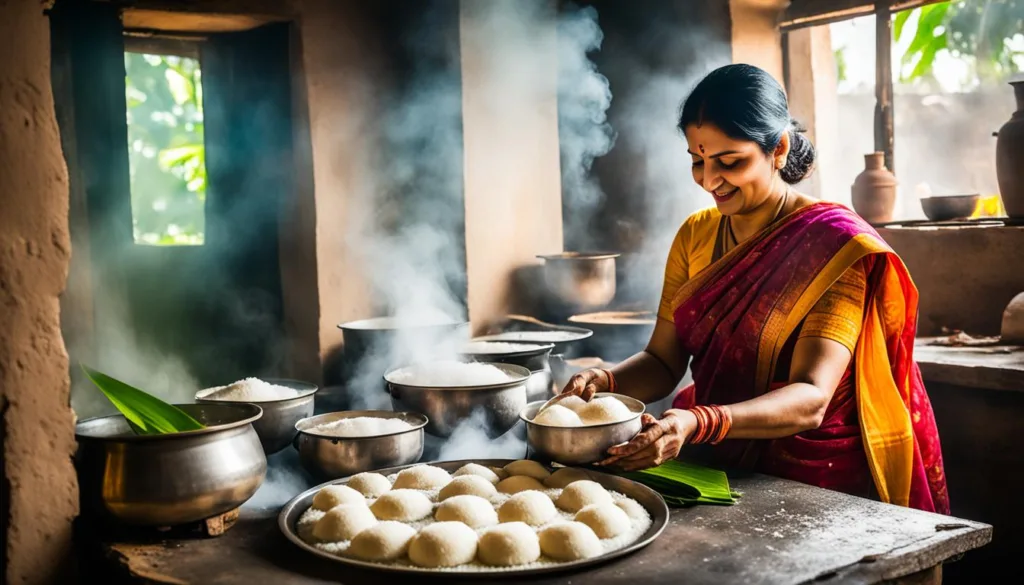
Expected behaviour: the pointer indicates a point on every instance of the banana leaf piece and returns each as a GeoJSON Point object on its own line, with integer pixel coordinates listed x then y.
{"type": "Point", "coordinates": [145, 413]}
{"type": "Point", "coordinates": [684, 484]}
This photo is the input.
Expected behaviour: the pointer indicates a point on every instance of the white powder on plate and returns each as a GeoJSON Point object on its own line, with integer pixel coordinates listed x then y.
{"type": "Point", "coordinates": [361, 426]}
{"type": "Point", "coordinates": [639, 525]}
{"type": "Point", "coordinates": [250, 390]}
{"type": "Point", "coordinates": [493, 347]}
{"type": "Point", "coordinates": [450, 374]}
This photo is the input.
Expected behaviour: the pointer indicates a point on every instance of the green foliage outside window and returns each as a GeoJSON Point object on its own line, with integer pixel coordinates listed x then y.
{"type": "Point", "coordinates": [167, 157]}
{"type": "Point", "coordinates": [990, 31]}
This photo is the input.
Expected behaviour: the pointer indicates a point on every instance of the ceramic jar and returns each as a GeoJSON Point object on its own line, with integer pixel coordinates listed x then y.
{"type": "Point", "coordinates": [1010, 157]}
{"type": "Point", "coordinates": [874, 190]}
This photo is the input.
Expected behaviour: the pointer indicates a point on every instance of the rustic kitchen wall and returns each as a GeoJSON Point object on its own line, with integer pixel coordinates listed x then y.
{"type": "Point", "coordinates": [755, 33]}
{"type": "Point", "coordinates": [513, 199]}
{"type": "Point", "coordinates": [965, 276]}
{"type": "Point", "coordinates": [39, 491]}
{"type": "Point", "coordinates": [339, 62]}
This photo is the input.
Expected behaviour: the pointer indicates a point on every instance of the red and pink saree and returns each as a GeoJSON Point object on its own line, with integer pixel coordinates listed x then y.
{"type": "Point", "coordinates": [736, 317]}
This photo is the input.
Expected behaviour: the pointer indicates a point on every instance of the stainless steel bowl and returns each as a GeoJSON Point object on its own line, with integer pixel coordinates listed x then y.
{"type": "Point", "coordinates": [534, 357]}
{"type": "Point", "coordinates": [447, 406]}
{"type": "Point", "coordinates": [276, 428]}
{"type": "Point", "coordinates": [580, 445]}
{"type": "Point", "coordinates": [584, 281]}
{"type": "Point", "coordinates": [172, 479]}
{"type": "Point", "coordinates": [333, 457]}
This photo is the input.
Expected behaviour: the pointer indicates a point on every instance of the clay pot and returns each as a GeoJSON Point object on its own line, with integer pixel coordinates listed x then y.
{"type": "Point", "coordinates": [874, 190]}
{"type": "Point", "coordinates": [1012, 331]}
{"type": "Point", "coordinates": [1010, 157]}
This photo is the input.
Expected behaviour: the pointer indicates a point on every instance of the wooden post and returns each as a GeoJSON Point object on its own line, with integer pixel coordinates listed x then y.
{"type": "Point", "coordinates": [883, 83]}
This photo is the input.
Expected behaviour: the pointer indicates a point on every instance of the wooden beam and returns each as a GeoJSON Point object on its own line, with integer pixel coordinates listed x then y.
{"type": "Point", "coordinates": [804, 13]}
{"type": "Point", "coordinates": [883, 84]}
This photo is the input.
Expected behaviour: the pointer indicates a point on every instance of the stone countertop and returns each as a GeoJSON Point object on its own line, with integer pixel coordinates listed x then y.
{"type": "Point", "coordinates": [779, 532]}
{"type": "Point", "coordinates": [999, 367]}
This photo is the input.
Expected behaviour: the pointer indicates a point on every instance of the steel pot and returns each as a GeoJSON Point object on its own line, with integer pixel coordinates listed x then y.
{"type": "Point", "coordinates": [276, 428]}
{"type": "Point", "coordinates": [580, 445]}
{"type": "Point", "coordinates": [582, 281]}
{"type": "Point", "coordinates": [564, 338]}
{"type": "Point", "coordinates": [617, 334]}
{"type": "Point", "coordinates": [333, 457]}
{"type": "Point", "coordinates": [534, 357]}
{"type": "Point", "coordinates": [172, 479]}
{"type": "Point", "coordinates": [382, 342]}
{"type": "Point", "coordinates": [447, 406]}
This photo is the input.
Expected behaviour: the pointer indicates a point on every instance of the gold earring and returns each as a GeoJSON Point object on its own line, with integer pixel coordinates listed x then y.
{"type": "Point", "coordinates": [780, 162]}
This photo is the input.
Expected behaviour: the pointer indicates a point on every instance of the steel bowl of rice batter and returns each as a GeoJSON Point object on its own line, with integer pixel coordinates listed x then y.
{"type": "Point", "coordinates": [580, 445]}
{"type": "Point", "coordinates": [331, 457]}
{"type": "Point", "coordinates": [447, 406]}
{"type": "Point", "coordinates": [276, 428]}
{"type": "Point", "coordinates": [535, 357]}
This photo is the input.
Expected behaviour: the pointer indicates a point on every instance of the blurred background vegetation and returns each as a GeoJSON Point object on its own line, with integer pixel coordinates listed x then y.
{"type": "Point", "coordinates": [167, 156]}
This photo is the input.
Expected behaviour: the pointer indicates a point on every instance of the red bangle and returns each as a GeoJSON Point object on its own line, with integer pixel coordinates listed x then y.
{"type": "Point", "coordinates": [713, 424]}
{"type": "Point", "coordinates": [612, 385]}
{"type": "Point", "coordinates": [703, 424]}
{"type": "Point", "coordinates": [726, 425]}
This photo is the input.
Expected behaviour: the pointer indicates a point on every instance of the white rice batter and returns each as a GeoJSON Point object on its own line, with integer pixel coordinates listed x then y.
{"type": "Point", "coordinates": [250, 390]}
{"type": "Point", "coordinates": [360, 426]}
{"type": "Point", "coordinates": [449, 374]}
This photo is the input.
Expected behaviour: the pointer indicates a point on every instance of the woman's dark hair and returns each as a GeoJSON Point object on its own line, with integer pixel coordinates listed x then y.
{"type": "Point", "coordinates": [747, 103]}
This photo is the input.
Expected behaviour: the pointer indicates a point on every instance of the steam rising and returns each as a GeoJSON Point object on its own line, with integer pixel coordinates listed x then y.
{"type": "Point", "coordinates": [469, 441]}
{"type": "Point", "coordinates": [584, 96]}
{"type": "Point", "coordinates": [413, 248]}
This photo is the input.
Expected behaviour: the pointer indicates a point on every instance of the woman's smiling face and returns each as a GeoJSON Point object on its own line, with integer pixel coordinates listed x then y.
{"type": "Point", "coordinates": [737, 173]}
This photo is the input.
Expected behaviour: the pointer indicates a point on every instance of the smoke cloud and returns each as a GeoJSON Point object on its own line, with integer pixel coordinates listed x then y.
{"type": "Point", "coordinates": [584, 134]}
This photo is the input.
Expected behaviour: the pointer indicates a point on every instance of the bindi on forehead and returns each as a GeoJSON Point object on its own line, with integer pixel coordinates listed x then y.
{"type": "Point", "coordinates": [701, 147]}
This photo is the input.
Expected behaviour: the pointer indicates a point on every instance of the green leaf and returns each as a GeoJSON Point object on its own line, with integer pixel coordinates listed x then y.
{"type": "Point", "coordinates": [925, 44]}
{"type": "Point", "coordinates": [181, 87]}
{"type": "Point", "coordinates": [179, 155]}
{"type": "Point", "coordinates": [146, 414]}
{"type": "Point", "coordinates": [899, 22]}
{"type": "Point", "coordinates": [683, 484]}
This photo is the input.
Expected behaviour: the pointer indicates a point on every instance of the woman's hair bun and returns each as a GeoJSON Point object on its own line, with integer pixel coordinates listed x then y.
{"type": "Point", "coordinates": [800, 162]}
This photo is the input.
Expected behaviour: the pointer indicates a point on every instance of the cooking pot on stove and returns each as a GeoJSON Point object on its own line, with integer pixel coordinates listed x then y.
{"type": "Point", "coordinates": [580, 280]}
{"type": "Point", "coordinates": [382, 342]}
{"type": "Point", "coordinates": [617, 334]}
{"type": "Point", "coordinates": [173, 478]}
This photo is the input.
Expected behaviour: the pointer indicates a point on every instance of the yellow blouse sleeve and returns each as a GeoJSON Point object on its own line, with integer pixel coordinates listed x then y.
{"type": "Point", "coordinates": [690, 253]}
{"type": "Point", "coordinates": [839, 312]}
{"type": "Point", "coordinates": [676, 272]}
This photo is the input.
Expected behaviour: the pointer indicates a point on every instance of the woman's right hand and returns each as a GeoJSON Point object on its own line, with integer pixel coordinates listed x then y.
{"type": "Point", "coordinates": [587, 383]}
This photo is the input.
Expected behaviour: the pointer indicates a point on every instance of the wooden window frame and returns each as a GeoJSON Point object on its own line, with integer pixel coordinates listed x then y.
{"type": "Point", "coordinates": [807, 13]}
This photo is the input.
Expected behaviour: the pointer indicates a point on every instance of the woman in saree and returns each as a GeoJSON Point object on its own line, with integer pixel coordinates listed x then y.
{"type": "Point", "coordinates": [795, 318]}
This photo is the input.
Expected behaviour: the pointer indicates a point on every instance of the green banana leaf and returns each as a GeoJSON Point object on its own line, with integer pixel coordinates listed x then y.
{"type": "Point", "coordinates": [146, 414]}
{"type": "Point", "coordinates": [685, 484]}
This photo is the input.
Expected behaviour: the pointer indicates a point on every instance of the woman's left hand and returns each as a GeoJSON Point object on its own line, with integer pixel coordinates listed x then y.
{"type": "Point", "coordinates": [657, 442]}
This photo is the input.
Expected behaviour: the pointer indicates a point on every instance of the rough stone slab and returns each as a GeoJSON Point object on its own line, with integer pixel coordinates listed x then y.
{"type": "Point", "coordinates": [780, 532]}
{"type": "Point", "coordinates": [993, 368]}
